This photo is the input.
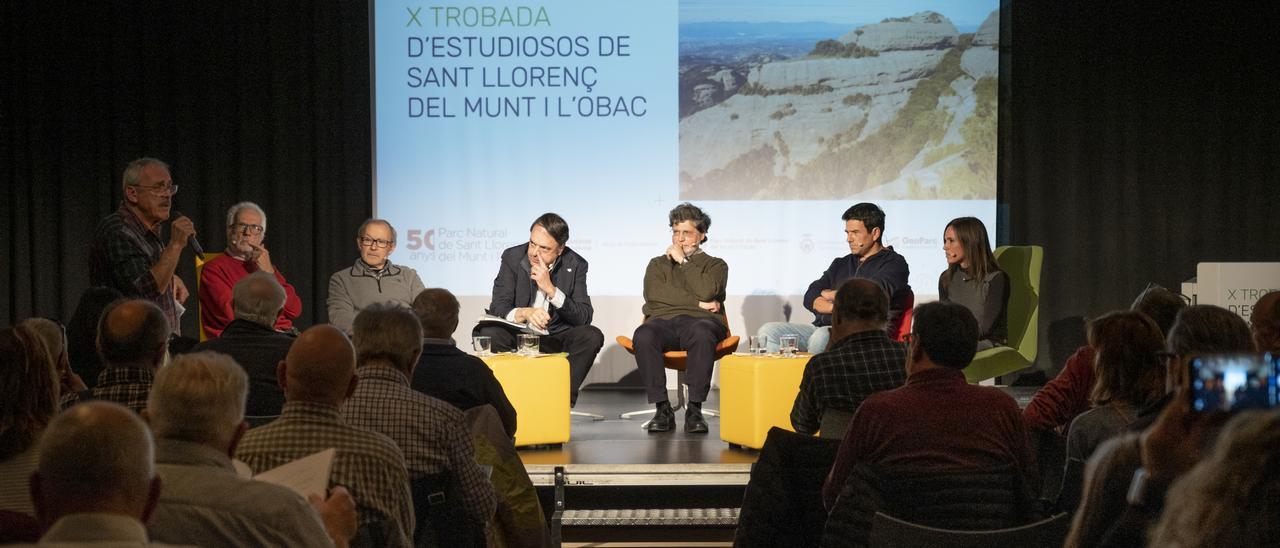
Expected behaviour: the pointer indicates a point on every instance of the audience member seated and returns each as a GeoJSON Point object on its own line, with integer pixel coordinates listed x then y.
{"type": "Point", "coordinates": [449, 374]}
{"type": "Point", "coordinates": [1060, 401]}
{"type": "Point", "coordinates": [1265, 323]}
{"type": "Point", "coordinates": [95, 484]}
{"type": "Point", "coordinates": [246, 228]}
{"type": "Point", "coordinates": [518, 521]}
{"type": "Point", "coordinates": [1231, 498]}
{"type": "Point", "coordinates": [974, 279]}
{"type": "Point", "coordinates": [318, 375]}
{"type": "Point", "coordinates": [196, 411]}
{"type": "Point", "coordinates": [860, 361]}
{"type": "Point", "coordinates": [55, 341]}
{"type": "Point", "coordinates": [432, 434]}
{"type": "Point", "coordinates": [868, 258]}
{"type": "Point", "coordinates": [1130, 377]}
{"type": "Point", "coordinates": [252, 341]}
{"type": "Point", "coordinates": [30, 401]}
{"type": "Point", "coordinates": [683, 310]}
{"type": "Point", "coordinates": [82, 332]}
{"type": "Point", "coordinates": [937, 421]}
{"type": "Point", "coordinates": [133, 338]}
{"type": "Point", "coordinates": [1199, 329]}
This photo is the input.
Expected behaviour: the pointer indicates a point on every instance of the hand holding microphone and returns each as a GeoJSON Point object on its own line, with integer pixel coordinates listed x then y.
{"type": "Point", "coordinates": [182, 232]}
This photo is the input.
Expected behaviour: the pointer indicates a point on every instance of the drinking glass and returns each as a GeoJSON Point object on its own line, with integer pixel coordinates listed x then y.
{"type": "Point", "coordinates": [528, 345]}
{"type": "Point", "coordinates": [482, 345]}
{"type": "Point", "coordinates": [758, 345]}
{"type": "Point", "coordinates": [787, 345]}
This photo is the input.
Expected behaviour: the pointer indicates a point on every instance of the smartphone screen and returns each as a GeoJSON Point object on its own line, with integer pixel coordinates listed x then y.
{"type": "Point", "coordinates": [1231, 382]}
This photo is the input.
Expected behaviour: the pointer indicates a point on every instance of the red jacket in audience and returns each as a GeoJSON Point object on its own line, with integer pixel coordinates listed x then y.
{"type": "Point", "coordinates": [1064, 397]}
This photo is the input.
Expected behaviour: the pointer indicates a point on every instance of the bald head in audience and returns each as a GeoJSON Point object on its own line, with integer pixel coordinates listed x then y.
{"type": "Point", "coordinates": [320, 367]}
{"type": "Point", "coordinates": [97, 457]}
{"type": "Point", "coordinates": [133, 333]}
{"type": "Point", "coordinates": [258, 298]}
{"type": "Point", "coordinates": [1265, 323]}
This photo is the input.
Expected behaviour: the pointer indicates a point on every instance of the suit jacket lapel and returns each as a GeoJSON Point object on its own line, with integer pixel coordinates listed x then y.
{"type": "Point", "coordinates": [525, 291]}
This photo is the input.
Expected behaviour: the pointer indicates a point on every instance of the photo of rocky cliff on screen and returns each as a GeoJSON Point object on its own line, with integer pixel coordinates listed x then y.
{"type": "Point", "coordinates": [900, 108]}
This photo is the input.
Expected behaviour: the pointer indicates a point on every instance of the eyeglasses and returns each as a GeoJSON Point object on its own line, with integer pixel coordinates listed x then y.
{"type": "Point", "coordinates": [160, 190]}
{"type": "Point", "coordinates": [366, 241]}
{"type": "Point", "coordinates": [684, 233]}
{"type": "Point", "coordinates": [248, 229]}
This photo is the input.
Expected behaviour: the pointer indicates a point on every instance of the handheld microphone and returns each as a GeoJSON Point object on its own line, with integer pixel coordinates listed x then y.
{"type": "Point", "coordinates": [191, 240]}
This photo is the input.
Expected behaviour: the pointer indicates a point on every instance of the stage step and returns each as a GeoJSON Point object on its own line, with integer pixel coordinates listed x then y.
{"type": "Point", "coordinates": [687, 502]}
{"type": "Point", "coordinates": [646, 517]}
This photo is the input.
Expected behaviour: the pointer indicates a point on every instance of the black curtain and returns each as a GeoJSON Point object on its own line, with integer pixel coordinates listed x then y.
{"type": "Point", "coordinates": [1141, 139]}
{"type": "Point", "coordinates": [261, 101]}
{"type": "Point", "coordinates": [1137, 138]}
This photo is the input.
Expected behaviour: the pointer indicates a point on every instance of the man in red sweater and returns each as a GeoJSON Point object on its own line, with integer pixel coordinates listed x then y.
{"type": "Point", "coordinates": [937, 420]}
{"type": "Point", "coordinates": [246, 227]}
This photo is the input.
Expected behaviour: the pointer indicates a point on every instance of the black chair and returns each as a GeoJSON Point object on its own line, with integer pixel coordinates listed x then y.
{"type": "Point", "coordinates": [834, 423]}
{"type": "Point", "coordinates": [890, 532]}
{"type": "Point", "coordinates": [782, 505]}
{"type": "Point", "coordinates": [441, 518]}
{"type": "Point", "coordinates": [973, 499]}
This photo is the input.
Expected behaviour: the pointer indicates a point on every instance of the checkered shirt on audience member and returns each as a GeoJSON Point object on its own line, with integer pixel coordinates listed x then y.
{"type": "Point", "coordinates": [855, 367]}
{"type": "Point", "coordinates": [367, 463]}
{"type": "Point", "coordinates": [127, 386]}
{"type": "Point", "coordinates": [433, 434]}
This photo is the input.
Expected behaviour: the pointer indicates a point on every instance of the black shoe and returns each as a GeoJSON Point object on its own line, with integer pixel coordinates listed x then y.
{"type": "Point", "coordinates": [693, 421]}
{"type": "Point", "coordinates": [663, 420]}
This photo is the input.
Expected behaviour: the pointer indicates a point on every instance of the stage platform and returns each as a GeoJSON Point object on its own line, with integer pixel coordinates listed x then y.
{"type": "Point", "coordinates": [620, 485]}
{"type": "Point", "coordinates": [616, 441]}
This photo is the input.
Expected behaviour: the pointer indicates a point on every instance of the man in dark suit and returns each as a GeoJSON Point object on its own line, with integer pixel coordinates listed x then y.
{"type": "Point", "coordinates": [543, 284]}
{"type": "Point", "coordinates": [251, 339]}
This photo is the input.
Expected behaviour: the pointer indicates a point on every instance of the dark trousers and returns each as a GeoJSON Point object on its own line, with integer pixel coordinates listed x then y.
{"type": "Point", "coordinates": [582, 343]}
{"type": "Point", "coordinates": [697, 336]}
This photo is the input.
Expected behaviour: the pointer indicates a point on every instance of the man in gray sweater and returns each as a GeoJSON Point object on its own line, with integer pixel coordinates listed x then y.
{"type": "Point", "coordinates": [683, 307]}
{"type": "Point", "coordinates": [372, 279]}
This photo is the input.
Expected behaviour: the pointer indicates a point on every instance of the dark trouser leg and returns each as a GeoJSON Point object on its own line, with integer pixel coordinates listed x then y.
{"type": "Point", "coordinates": [699, 338]}
{"type": "Point", "coordinates": [503, 338]}
{"type": "Point", "coordinates": [650, 340]}
{"type": "Point", "coordinates": [582, 343]}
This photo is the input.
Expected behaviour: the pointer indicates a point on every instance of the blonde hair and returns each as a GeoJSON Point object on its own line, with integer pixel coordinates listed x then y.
{"type": "Point", "coordinates": [1231, 498]}
{"type": "Point", "coordinates": [29, 383]}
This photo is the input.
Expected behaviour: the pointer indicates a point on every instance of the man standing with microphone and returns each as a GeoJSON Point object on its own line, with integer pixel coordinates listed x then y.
{"type": "Point", "coordinates": [127, 253]}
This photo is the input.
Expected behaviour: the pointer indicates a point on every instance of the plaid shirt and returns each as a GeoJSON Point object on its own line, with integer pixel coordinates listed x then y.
{"type": "Point", "coordinates": [127, 386]}
{"type": "Point", "coordinates": [121, 255]}
{"type": "Point", "coordinates": [840, 378]}
{"type": "Point", "coordinates": [367, 463]}
{"type": "Point", "coordinates": [433, 434]}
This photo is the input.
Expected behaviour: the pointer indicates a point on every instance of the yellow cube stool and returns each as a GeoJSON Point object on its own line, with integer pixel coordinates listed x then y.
{"type": "Point", "coordinates": [756, 394]}
{"type": "Point", "coordinates": [538, 387]}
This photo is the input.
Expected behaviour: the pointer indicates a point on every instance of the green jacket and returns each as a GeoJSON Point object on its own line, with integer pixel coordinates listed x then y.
{"type": "Point", "coordinates": [672, 289]}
